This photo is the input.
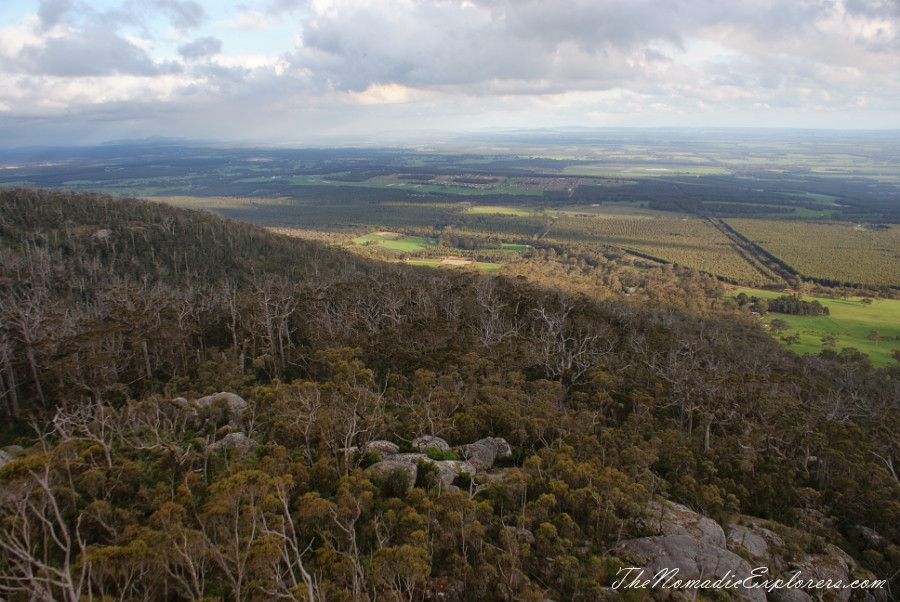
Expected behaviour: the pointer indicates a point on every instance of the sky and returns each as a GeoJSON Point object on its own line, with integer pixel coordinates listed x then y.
{"type": "Point", "coordinates": [300, 72]}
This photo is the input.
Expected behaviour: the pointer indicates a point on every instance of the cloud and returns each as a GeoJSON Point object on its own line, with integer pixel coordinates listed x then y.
{"type": "Point", "coordinates": [94, 51]}
{"type": "Point", "coordinates": [356, 43]}
{"type": "Point", "coordinates": [364, 63]}
{"type": "Point", "coordinates": [278, 7]}
{"type": "Point", "coordinates": [50, 12]}
{"type": "Point", "coordinates": [537, 47]}
{"type": "Point", "coordinates": [249, 19]}
{"type": "Point", "coordinates": [184, 14]}
{"type": "Point", "coordinates": [200, 48]}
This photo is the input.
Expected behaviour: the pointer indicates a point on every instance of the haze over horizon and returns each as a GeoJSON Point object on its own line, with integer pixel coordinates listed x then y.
{"type": "Point", "coordinates": [309, 72]}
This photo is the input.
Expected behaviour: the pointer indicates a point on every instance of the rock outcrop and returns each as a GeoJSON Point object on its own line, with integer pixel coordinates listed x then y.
{"type": "Point", "coordinates": [218, 408]}
{"type": "Point", "coordinates": [427, 441]}
{"type": "Point", "coordinates": [384, 468]}
{"type": "Point", "coordinates": [447, 470]}
{"type": "Point", "coordinates": [237, 441]}
{"type": "Point", "coordinates": [483, 453]}
{"type": "Point", "coordinates": [691, 544]}
{"type": "Point", "coordinates": [384, 448]}
{"type": "Point", "coordinates": [698, 547]}
{"type": "Point", "coordinates": [479, 456]}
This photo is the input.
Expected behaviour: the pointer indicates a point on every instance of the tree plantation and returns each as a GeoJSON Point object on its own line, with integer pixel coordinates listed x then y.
{"type": "Point", "coordinates": [197, 408]}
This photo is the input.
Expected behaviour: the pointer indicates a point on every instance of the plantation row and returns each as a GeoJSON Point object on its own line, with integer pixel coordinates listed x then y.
{"type": "Point", "coordinates": [834, 253]}
{"type": "Point", "coordinates": [693, 243]}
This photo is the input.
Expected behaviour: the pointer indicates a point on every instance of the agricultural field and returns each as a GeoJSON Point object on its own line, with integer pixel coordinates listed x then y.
{"type": "Point", "coordinates": [693, 242]}
{"type": "Point", "coordinates": [417, 250]}
{"type": "Point", "coordinates": [831, 252]}
{"type": "Point", "coordinates": [395, 241]}
{"type": "Point", "coordinates": [663, 195]}
{"type": "Point", "coordinates": [484, 266]}
{"type": "Point", "coordinates": [625, 170]}
{"type": "Point", "coordinates": [505, 210]}
{"type": "Point", "coordinates": [620, 209]}
{"type": "Point", "coordinates": [852, 322]}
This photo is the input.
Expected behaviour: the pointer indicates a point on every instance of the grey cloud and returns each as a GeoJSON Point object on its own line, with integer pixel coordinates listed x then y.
{"type": "Point", "coordinates": [444, 43]}
{"type": "Point", "coordinates": [96, 51]}
{"type": "Point", "coordinates": [874, 7]}
{"type": "Point", "coordinates": [200, 48]}
{"type": "Point", "coordinates": [51, 11]}
{"type": "Point", "coordinates": [221, 75]}
{"type": "Point", "coordinates": [279, 7]}
{"type": "Point", "coordinates": [573, 44]}
{"type": "Point", "coordinates": [184, 15]}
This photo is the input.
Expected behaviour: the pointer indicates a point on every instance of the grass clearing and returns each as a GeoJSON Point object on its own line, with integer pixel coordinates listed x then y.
{"type": "Point", "coordinates": [850, 321]}
{"type": "Point", "coordinates": [520, 249]}
{"type": "Point", "coordinates": [394, 241]}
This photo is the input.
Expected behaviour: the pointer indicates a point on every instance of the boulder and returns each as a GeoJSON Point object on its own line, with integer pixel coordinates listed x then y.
{"type": "Point", "coordinates": [234, 441]}
{"type": "Point", "coordinates": [835, 564]}
{"type": "Point", "coordinates": [697, 546]}
{"type": "Point", "coordinates": [448, 470]}
{"type": "Point", "coordinates": [5, 458]}
{"type": "Point", "coordinates": [483, 453]}
{"type": "Point", "coordinates": [674, 519]}
{"type": "Point", "coordinates": [692, 559]}
{"type": "Point", "coordinates": [233, 406]}
{"type": "Point", "coordinates": [411, 458]}
{"type": "Point", "coordinates": [872, 537]}
{"type": "Point", "coordinates": [384, 468]}
{"type": "Point", "coordinates": [747, 539]}
{"type": "Point", "coordinates": [425, 441]}
{"type": "Point", "coordinates": [385, 448]}
{"type": "Point", "coordinates": [794, 595]}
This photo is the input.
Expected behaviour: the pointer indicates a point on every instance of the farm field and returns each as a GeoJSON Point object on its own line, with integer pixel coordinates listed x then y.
{"type": "Point", "coordinates": [620, 209]}
{"type": "Point", "coordinates": [832, 252]}
{"type": "Point", "coordinates": [484, 266]}
{"type": "Point", "coordinates": [395, 241]}
{"type": "Point", "coordinates": [448, 257]}
{"type": "Point", "coordinates": [503, 210]}
{"type": "Point", "coordinates": [790, 199]}
{"type": "Point", "coordinates": [690, 242]}
{"type": "Point", "coordinates": [850, 321]}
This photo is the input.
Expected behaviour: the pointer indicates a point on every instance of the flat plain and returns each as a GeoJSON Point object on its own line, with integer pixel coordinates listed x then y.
{"type": "Point", "coordinates": [750, 209]}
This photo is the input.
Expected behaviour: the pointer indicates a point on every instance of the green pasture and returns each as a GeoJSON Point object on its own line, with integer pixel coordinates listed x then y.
{"type": "Point", "coordinates": [515, 248]}
{"type": "Point", "coordinates": [850, 321]}
{"type": "Point", "coordinates": [826, 199]}
{"type": "Point", "coordinates": [402, 243]}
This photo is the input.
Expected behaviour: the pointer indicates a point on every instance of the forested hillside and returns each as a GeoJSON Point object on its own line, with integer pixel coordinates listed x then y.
{"type": "Point", "coordinates": [117, 315]}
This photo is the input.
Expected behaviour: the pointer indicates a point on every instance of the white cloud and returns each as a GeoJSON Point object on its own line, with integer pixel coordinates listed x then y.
{"type": "Point", "coordinates": [382, 94]}
{"type": "Point", "coordinates": [248, 19]}
{"type": "Point", "coordinates": [475, 62]}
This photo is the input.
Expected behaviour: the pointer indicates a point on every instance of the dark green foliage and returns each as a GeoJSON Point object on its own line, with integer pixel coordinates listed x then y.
{"type": "Point", "coordinates": [436, 453]}
{"type": "Point", "coordinates": [795, 306]}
